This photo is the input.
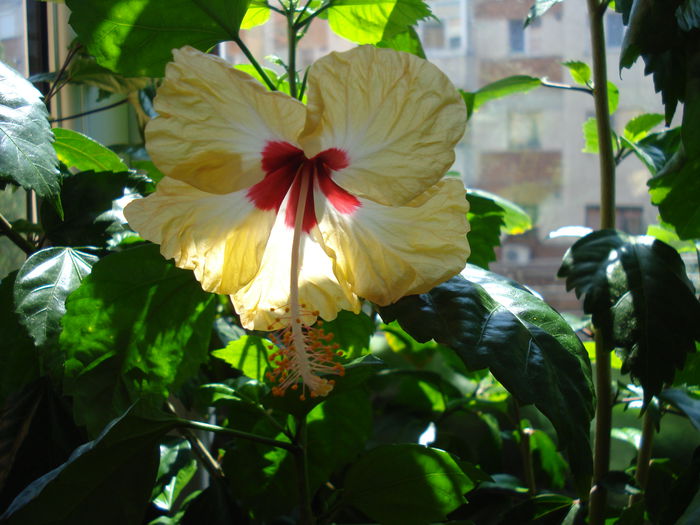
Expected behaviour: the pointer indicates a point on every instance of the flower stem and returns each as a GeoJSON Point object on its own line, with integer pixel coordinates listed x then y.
{"type": "Point", "coordinates": [601, 462]}
{"type": "Point", "coordinates": [292, 34]}
{"type": "Point", "coordinates": [198, 425]}
{"type": "Point", "coordinates": [255, 63]}
{"type": "Point", "coordinates": [301, 461]}
{"type": "Point", "coordinates": [644, 456]}
{"type": "Point", "coordinates": [22, 243]}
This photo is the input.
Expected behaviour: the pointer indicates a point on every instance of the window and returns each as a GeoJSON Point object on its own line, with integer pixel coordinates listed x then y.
{"type": "Point", "coordinates": [448, 35]}
{"type": "Point", "coordinates": [516, 36]}
{"type": "Point", "coordinates": [433, 35]}
{"type": "Point", "coordinates": [614, 29]}
{"type": "Point", "coordinates": [524, 130]}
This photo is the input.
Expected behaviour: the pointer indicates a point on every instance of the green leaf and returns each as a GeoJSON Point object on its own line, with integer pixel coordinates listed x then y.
{"type": "Point", "coordinates": [257, 14]}
{"type": "Point", "coordinates": [637, 291]}
{"type": "Point", "coordinates": [613, 97]}
{"type": "Point", "coordinates": [590, 136]}
{"type": "Point", "coordinates": [76, 150]}
{"type": "Point", "coordinates": [248, 354]}
{"type": "Point", "coordinates": [373, 21]}
{"type": "Point", "coordinates": [546, 456]}
{"type": "Point", "coordinates": [676, 191]}
{"type": "Point", "coordinates": [406, 484]}
{"type": "Point", "coordinates": [539, 7]}
{"type": "Point", "coordinates": [543, 508]}
{"type": "Point", "coordinates": [265, 478]}
{"type": "Point", "coordinates": [137, 328]}
{"type": "Point", "coordinates": [489, 216]}
{"type": "Point", "coordinates": [499, 89]}
{"type": "Point", "coordinates": [27, 157]}
{"type": "Point", "coordinates": [492, 322]}
{"type": "Point", "coordinates": [19, 360]}
{"type": "Point", "coordinates": [351, 332]}
{"type": "Point", "coordinates": [93, 204]}
{"type": "Point", "coordinates": [656, 149]}
{"type": "Point", "coordinates": [688, 15]}
{"type": "Point", "coordinates": [83, 69]}
{"type": "Point", "coordinates": [667, 233]}
{"type": "Point", "coordinates": [106, 481]}
{"type": "Point", "coordinates": [579, 71]}
{"type": "Point", "coordinates": [279, 82]}
{"type": "Point", "coordinates": [640, 126]}
{"type": "Point", "coordinates": [177, 467]}
{"type": "Point", "coordinates": [42, 286]}
{"type": "Point", "coordinates": [136, 37]}
{"type": "Point", "coordinates": [685, 402]}
{"type": "Point", "coordinates": [407, 41]}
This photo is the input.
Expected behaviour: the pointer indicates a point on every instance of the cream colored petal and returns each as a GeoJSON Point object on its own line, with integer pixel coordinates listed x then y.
{"type": "Point", "coordinates": [397, 116]}
{"type": "Point", "coordinates": [387, 252]}
{"type": "Point", "coordinates": [214, 122]}
{"type": "Point", "coordinates": [262, 303]}
{"type": "Point", "coordinates": [220, 237]}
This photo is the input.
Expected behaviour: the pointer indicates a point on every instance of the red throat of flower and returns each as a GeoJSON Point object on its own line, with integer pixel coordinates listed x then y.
{"type": "Point", "coordinates": [285, 167]}
{"type": "Point", "coordinates": [304, 352]}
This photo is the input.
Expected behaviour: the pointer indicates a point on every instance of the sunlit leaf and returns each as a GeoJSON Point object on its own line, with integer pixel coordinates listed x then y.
{"type": "Point", "coordinates": [138, 327]}
{"type": "Point", "coordinates": [638, 293]}
{"type": "Point", "coordinates": [492, 322]}
{"type": "Point", "coordinates": [407, 41]}
{"type": "Point", "coordinates": [640, 126]}
{"type": "Point", "coordinates": [406, 484]}
{"type": "Point", "coordinates": [27, 157]}
{"type": "Point", "coordinates": [499, 89]}
{"type": "Point", "coordinates": [579, 71]}
{"type": "Point", "coordinates": [136, 37]}
{"type": "Point", "coordinates": [177, 467]}
{"type": "Point", "coordinates": [42, 286]}
{"type": "Point", "coordinates": [249, 354]}
{"type": "Point", "coordinates": [257, 14]}
{"type": "Point", "coordinates": [540, 7]}
{"type": "Point", "coordinates": [372, 21]}
{"type": "Point", "coordinates": [78, 151]}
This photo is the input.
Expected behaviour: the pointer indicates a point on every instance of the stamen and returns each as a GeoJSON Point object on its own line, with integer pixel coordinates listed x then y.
{"type": "Point", "coordinates": [304, 352]}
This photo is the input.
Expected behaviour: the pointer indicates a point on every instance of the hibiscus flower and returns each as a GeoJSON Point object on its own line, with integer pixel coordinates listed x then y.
{"type": "Point", "coordinates": [297, 211]}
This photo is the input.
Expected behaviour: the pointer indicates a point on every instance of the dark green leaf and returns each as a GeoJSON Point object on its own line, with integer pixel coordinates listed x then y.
{"type": "Point", "coordinates": [93, 204]}
{"type": "Point", "coordinates": [676, 191]}
{"type": "Point", "coordinates": [76, 150]}
{"type": "Point", "coordinates": [406, 484]}
{"type": "Point", "coordinates": [685, 402]}
{"type": "Point", "coordinates": [249, 354]}
{"type": "Point", "coordinates": [83, 69]}
{"type": "Point", "coordinates": [106, 481]}
{"type": "Point", "coordinates": [373, 21]}
{"type": "Point", "coordinates": [19, 360]}
{"type": "Point", "coordinates": [407, 41]}
{"type": "Point", "coordinates": [540, 7]}
{"type": "Point", "coordinates": [215, 505]}
{"type": "Point", "coordinates": [43, 284]}
{"type": "Point", "coordinates": [543, 508]}
{"type": "Point", "coordinates": [688, 15]}
{"type": "Point", "coordinates": [494, 323]}
{"type": "Point", "coordinates": [489, 216]}
{"type": "Point", "coordinates": [656, 149]}
{"type": "Point", "coordinates": [637, 291]}
{"type": "Point", "coordinates": [499, 89]}
{"type": "Point", "coordinates": [546, 456]}
{"type": "Point", "coordinates": [137, 327]}
{"type": "Point", "coordinates": [27, 157]}
{"type": "Point", "coordinates": [690, 374]}
{"type": "Point", "coordinates": [136, 37]}
{"type": "Point", "coordinates": [176, 469]}
{"type": "Point", "coordinates": [579, 71]}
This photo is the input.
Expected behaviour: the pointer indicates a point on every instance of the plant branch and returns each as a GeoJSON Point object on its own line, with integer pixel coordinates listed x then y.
{"type": "Point", "coordinates": [568, 87]}
{"type": "Point", "coordinates": [644, 456]}
{"type": "Point", "coordinates": [198, 425]}
{"type": "Point", "coordinates": [90, 112]}
{"type": "Point", "coordinates": [56, 85]}
{"type": "Point", "coordinates": [299, 24]}
{"type": "Point", "coordinates": [292, 38]}
{"type": "Point", "coordinates": [525, 453]}
{"type": "Point", "coordinates": [604, 399]}
{"type": "Point", "coordinates": [255, 64]}
{"type": "Point", "coordinates": [301, 461]}
{"type": "Point", "coordinates": [22, 243]}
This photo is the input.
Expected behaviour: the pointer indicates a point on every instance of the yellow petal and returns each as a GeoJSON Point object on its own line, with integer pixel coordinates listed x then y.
{"type": "Point", "coordinates": [214, 122]}
{"type": "Point", "coordinates": [397, 117]}
{"type": "Point", "coordinates": [220, 237]}
{"type": "Point", "coordinates": [387, 252]}
{"type": "Point", "coordinates": [263, 303]}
